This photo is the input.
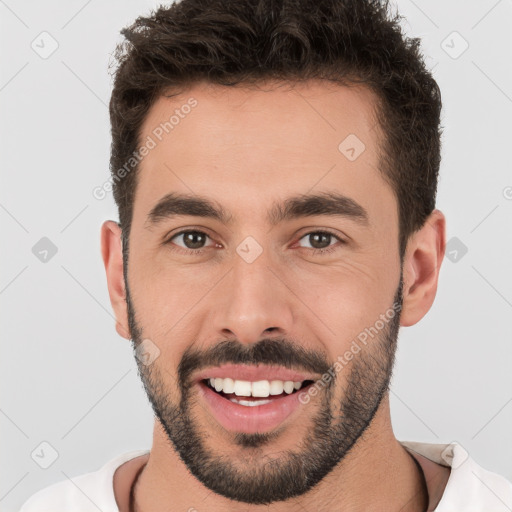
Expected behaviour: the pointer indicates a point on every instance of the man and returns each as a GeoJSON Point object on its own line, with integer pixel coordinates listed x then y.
{"type": "Point", "coordinates": [275, 168]}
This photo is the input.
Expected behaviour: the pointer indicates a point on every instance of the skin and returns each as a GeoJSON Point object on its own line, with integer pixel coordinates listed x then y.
{"type": "Point", "coordinates": [247, 148]}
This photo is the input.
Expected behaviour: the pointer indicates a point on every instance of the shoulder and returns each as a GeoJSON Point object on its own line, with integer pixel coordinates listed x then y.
{"type": "Point", "coordinates": [475, 489]}
{"type": "Point", "coordinates": [64, 495]}
{"type": "Point", "coordinates": [87, 492]}
{"type": "Point", "coordinates": [469, 487]}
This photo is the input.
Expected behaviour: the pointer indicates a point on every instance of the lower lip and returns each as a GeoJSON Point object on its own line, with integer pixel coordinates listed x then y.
{"type": "Point", "coordinates": [241, 418]}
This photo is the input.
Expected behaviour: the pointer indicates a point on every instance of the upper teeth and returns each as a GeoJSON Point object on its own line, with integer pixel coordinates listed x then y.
{"type": "Point", "coordinates": [260, 388]}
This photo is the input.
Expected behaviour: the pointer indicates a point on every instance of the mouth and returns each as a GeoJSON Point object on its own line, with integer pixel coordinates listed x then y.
{"type": "Point", "coordinates": [257, 393]}
{"type": "Point", "coordinates": [251, 399]}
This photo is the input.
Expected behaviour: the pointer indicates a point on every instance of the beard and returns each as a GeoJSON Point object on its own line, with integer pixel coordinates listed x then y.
{"type": "Point", "coordinates": [337, 424]}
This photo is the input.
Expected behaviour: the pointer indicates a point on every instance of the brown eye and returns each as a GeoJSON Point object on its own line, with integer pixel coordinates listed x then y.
{"type": "Point", "coordinates": [191, 239]}
{"type": "Point", "coordinates": [319, 239]}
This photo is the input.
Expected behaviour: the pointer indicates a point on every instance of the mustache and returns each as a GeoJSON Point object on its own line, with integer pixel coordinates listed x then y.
{"type": "Point", "coordinates": [276, 352]}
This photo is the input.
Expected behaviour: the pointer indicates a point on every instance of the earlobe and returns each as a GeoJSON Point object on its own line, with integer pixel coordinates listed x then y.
{"type": "Point", "coordinates": [422, 263]}
{"type": "Point", "coordinates": [121, 330]}
{"type": "Point", "coordinates": [112, 254]}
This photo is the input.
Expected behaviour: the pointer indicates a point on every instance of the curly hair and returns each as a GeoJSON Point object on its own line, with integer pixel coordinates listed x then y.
{"type": "Point", "coordinates": [244, 42]}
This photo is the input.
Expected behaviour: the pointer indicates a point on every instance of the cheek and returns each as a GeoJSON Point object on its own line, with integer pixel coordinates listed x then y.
{"type": "Point", "coordinates": [345, 299]}
{"type": "Point", "coordinates": [163, 289]}
{"type": "Point", "coordinates": [172, 303]}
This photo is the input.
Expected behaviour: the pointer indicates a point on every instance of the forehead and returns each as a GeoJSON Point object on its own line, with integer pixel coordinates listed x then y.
{"type": "Point", "coordinates": [247, 144]}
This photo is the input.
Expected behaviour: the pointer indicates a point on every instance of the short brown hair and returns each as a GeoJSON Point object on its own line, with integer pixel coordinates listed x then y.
{"type": "Point", "coordinates": [232, 42]}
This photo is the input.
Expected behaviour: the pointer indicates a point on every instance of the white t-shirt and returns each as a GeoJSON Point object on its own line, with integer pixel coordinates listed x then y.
{"type": "Point", "coordinates": [470, 488]}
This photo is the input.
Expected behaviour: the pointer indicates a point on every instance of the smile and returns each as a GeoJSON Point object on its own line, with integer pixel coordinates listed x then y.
{"type": "Point", "coordinates": [233, 389]}
{"type": "Point", "coordinates": [260, 402]}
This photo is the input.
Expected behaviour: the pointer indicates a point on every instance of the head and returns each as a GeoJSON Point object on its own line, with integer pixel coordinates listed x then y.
{"type": "Point", "coordinates": [275, 169]}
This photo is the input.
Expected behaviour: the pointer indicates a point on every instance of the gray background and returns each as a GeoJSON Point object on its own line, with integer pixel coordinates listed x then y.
{"type": "Point", "coordinates": [69, 380]}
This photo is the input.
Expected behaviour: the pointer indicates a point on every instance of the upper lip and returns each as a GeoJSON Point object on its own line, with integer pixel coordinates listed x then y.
{"type": "Point", "coordinates": [254, 373]}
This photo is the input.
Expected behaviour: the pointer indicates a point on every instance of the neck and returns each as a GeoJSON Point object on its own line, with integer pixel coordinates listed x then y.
{"type": "Point", "coordinates": [377, 474]}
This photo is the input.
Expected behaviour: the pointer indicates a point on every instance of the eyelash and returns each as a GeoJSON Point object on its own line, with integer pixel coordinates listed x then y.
{"type": "Point", "coordinates": [197, 252]}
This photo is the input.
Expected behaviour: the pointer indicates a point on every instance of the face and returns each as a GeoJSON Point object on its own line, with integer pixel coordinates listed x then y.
{"type": "Point", "coordinates": [264, 270]}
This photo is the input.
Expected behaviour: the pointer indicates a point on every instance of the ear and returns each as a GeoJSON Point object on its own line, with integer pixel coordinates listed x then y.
{"type": "Point", "coordinates": [422, 263]}
{"type": "Point", "coordinates": [112, 253]}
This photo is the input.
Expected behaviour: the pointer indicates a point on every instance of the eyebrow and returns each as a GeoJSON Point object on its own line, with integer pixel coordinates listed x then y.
{"type": "Point", "coordinates": [303, 205]}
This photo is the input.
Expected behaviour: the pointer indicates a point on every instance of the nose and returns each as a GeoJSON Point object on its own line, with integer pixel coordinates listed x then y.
{"type": "Point", "coordinates": [253, 303]}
